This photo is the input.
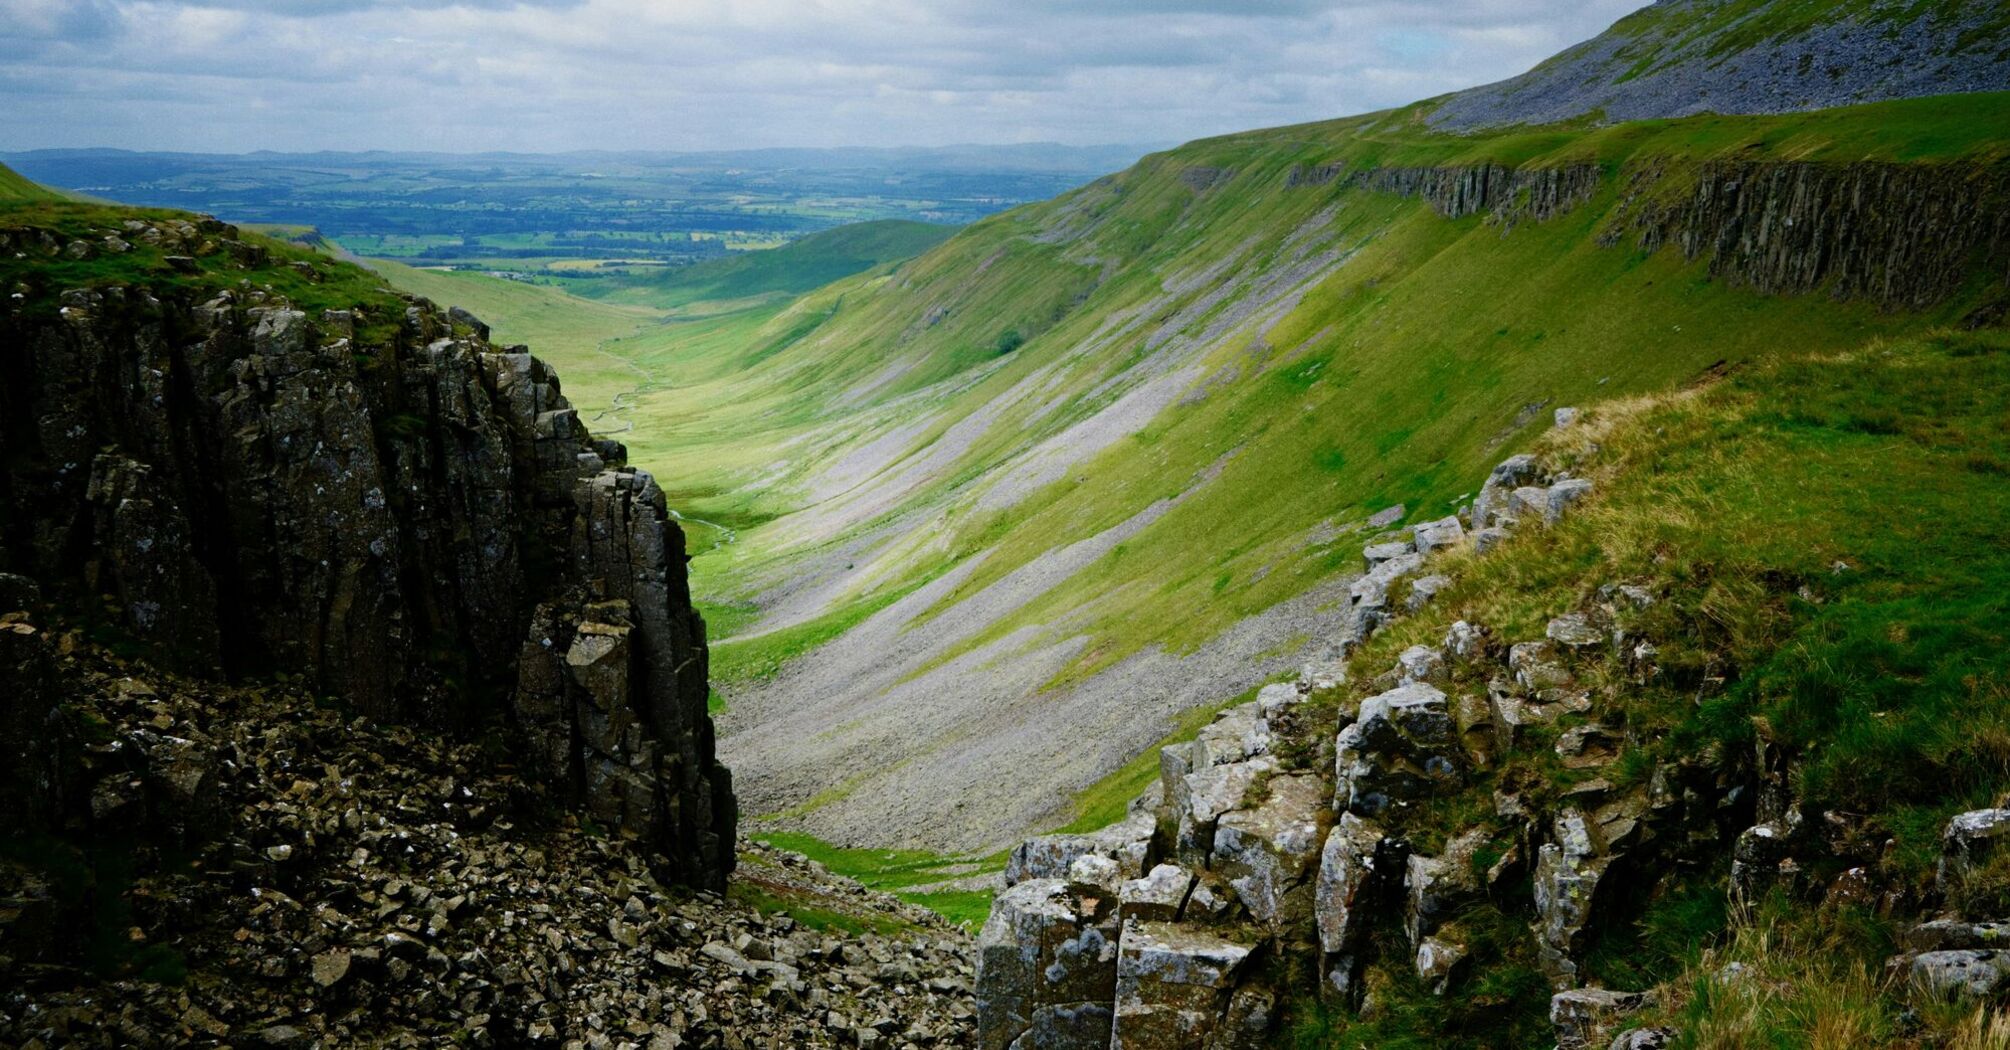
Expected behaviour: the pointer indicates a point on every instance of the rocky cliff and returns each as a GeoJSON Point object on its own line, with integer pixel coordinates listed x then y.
{"type": "Point", "coordinates": [251, 465]}
{"type": "Point", "coordinates": [1680, 57]}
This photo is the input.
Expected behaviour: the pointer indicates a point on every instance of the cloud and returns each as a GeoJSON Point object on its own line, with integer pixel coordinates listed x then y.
{"type": "Point", "coordinates": [695, 74]}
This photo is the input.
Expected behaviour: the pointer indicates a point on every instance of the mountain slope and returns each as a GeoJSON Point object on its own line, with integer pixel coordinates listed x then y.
{"type": "Point", "coordinates": [1679, 57]}
{"type": "Point", "coordinates": [15, 188]}
{"type": "Point", "coordinates": [1002, 515]}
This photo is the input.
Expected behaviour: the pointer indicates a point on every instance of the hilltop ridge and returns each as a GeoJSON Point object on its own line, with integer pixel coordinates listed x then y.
{"type": "Point", "coordinates": [1677, 58]}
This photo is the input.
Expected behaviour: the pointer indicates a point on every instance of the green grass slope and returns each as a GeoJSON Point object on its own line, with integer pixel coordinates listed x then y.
{"type": "Point", "coordinates": [15, 188]}
{"type": "Point", "coordinates": [1279, 352]}
{"type": "Point", "coordinates": [1828, 542]}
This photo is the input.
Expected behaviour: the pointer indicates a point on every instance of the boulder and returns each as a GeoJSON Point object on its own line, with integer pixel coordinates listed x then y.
{"type": "Point", "coordinates": [1356, 869]}
{"type": "Point", "coordinates": [1565, 417]}
{"type": "Point", "coordinates": [1644, 1039]}
{"type": "Point", "coordinates": [1588, 1018]}
{"type": "Point", "coordinates": [1567, 874]}
{"type": "Point", "coordinates": [1969, 841]}
{"type": "Point", "coordinates": [1124, 843]}
{"type": "Point", "coordinates": [1401, 746]}
{"type": "Point", "coordinates": [1266, 853]}
{"type": "Point", "coordinates": [1159, 896]}
{"type": "Point", "coordinates": [1491, 506]}
{"type": "Point", "coordinates": [1444, 532]}
{"type": "Point", "coordinates": [1424, 590]}
{"type": "Point", "coordinates": [1757, 856]}
{"type": "Point", "coordinates": [1176, 988]}
{"type": "Point", "coordinates": [1421, 663]}
{"type": "Point", "coordinates": [1965, 973]}
{"type": "Point", "coordinates": [1945, 934]}
{"type": "Point", "coordinates": [1046, 968]}
{"type": "Point", "coordinates": [1575, 631]}
{"type": "Point", "coordinates": [1380, 553]}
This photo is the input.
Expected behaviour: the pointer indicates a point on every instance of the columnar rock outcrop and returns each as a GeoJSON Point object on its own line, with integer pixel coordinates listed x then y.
{"type": "Point", "coordinates": [377, 500]}
{"type": "Point", "coordinates": [1260, 880]}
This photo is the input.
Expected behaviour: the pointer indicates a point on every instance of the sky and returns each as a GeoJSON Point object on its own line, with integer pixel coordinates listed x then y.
{"type": "Point", "coordinates": [555, 75]}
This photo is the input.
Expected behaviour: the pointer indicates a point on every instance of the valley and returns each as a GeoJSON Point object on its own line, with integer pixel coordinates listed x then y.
{"type": "Point", "coordinates": [1529, 567]}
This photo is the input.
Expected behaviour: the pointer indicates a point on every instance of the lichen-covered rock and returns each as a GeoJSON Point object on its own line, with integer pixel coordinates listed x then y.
{"type": "Point", "coordinates": [1969, 840]}
{"type": "Point", "coordinates": [1176, 991]}
{"type": "Point", "coordinates": [1437, 887]}
{"type": "Point", "coordinates": [1125, 843]}
{"type": "Point", "coordinates": [1266, 853]}
{"type": "Point", "coordinates": [1970, 973]}
{"type": "Point", "coordinates": [1567, 874]}
{"type": "Point", "coordinates": [1401, 746]}
{"type": "Point", "coordinates": [1587, 1018]}
{"type": "Point", "coordinates": [1444, 532]}
{"type": "Point", "coordinates": [1356, 868]}
{"type": "Point", "coordinates": [1159, 896]}
{"type": "Point", "coordinates": [1047, 968]}
{"type": "Point", "coordinates": [1438, 962]}
{"type": "Point", "coordinates": [1644, 1039]}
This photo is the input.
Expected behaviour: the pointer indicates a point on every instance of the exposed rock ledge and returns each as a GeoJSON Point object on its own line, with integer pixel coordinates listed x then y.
{"type": "Point", "coordinates": [387, 506]}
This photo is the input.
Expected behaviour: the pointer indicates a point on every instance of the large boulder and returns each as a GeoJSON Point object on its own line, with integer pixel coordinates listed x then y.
{"type": "Point", "coordinates": [1588, 1018]}
{"type": "Point", "coordinates": [1356, 870]}
{"type": "Point", "coordinates": [1967, 973]}
{"type": "Point", "coordinates": [1266, 852]}
{"type": "Point", "coordinates": [1401, 746]}
{"type": "Point", "coordinates": [1047, 968]}
{"type": "Point", "coordinates": [1177, 990]}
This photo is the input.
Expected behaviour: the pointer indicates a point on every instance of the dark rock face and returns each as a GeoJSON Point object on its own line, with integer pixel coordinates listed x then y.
{"type": "Point", "coordinates": [1655, 64]}
{"type": "Point", "coordinates": [411, 520]}
{"type": "Point", "coordinates": [1898, 234]}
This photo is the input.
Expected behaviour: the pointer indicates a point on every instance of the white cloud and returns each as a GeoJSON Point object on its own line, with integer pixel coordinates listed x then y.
{"type": "Point", "coordinates": [696, 74]}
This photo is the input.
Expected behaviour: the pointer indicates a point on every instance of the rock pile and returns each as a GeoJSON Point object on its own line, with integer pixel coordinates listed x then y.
{"type": "Point", "coordinates": [301, 876]}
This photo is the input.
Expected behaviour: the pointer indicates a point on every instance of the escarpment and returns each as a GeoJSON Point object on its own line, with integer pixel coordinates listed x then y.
{"type": "Point", "coordinates": [369, 497]}
{"type": "Point", "coordinates": [1901, 235]}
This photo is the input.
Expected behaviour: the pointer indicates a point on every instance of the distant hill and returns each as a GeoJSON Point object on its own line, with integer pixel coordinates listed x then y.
{"type": "Point", "coordinates": [1678, 58]}
{"type": "Point", "coordinates": [794, 268]}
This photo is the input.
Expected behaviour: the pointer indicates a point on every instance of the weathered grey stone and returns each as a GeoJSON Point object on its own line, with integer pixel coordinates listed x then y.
{"type": "Point", "coordinates": [1421, 663]}
{"type": "Point", "coordinates": [1464, 642]}
{"type": "Point", "coordinates": [1046, 967]}
{"type": "Point", "coordinates": [1174, 989]}
{"type": "Point", "coordinates": [1644, 1039]}
{"type": "Point", "coordinates": [1378, 553]}
{"type": "Point", "coordinates": [1209, 793]}
{"type": "Point", "coordinates": [1536, 667]}
{"type": "Point", "coordinates": [1565, 417]}
{"type": "Point", "coordinates": [1124, 843]}
{"type": "Point", "coordinates": [1400, 747]}
{"type": "Point", "coordinates": [1355, 872]}
{"type": "Point", "coordinates": [1485, 540]}
{"type": "Point", "coordinates": [1491, 507]}
{"type": "Point", "coordinates": [1575, 631]}
{"type": "Point", "coordinates": [1432, 535]}
{"type": "Point", "coordinates": [1386, 517]}
{"type": "Point", "coordinates": [1970, 973]}
{"type": "Point", "coordinates": [1567, 874]}
{"type": "Point", "coordinates": [1424, 589]}
{"type": "Point", "coordinates": [1587, 1018]}
{"type": "Point", "coordinates": [1266, 854]}
{"type": "Point", "coordinates": [1438, 961]}
{"type": "Point", "coordinates": [1969, 841]}
{"type": "Point", "coordinates": [1948, 934]}
{"type": "Point", "coordinates": [1759, 852]}
{"type": "Point", "coordinates": [1159, 896]}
